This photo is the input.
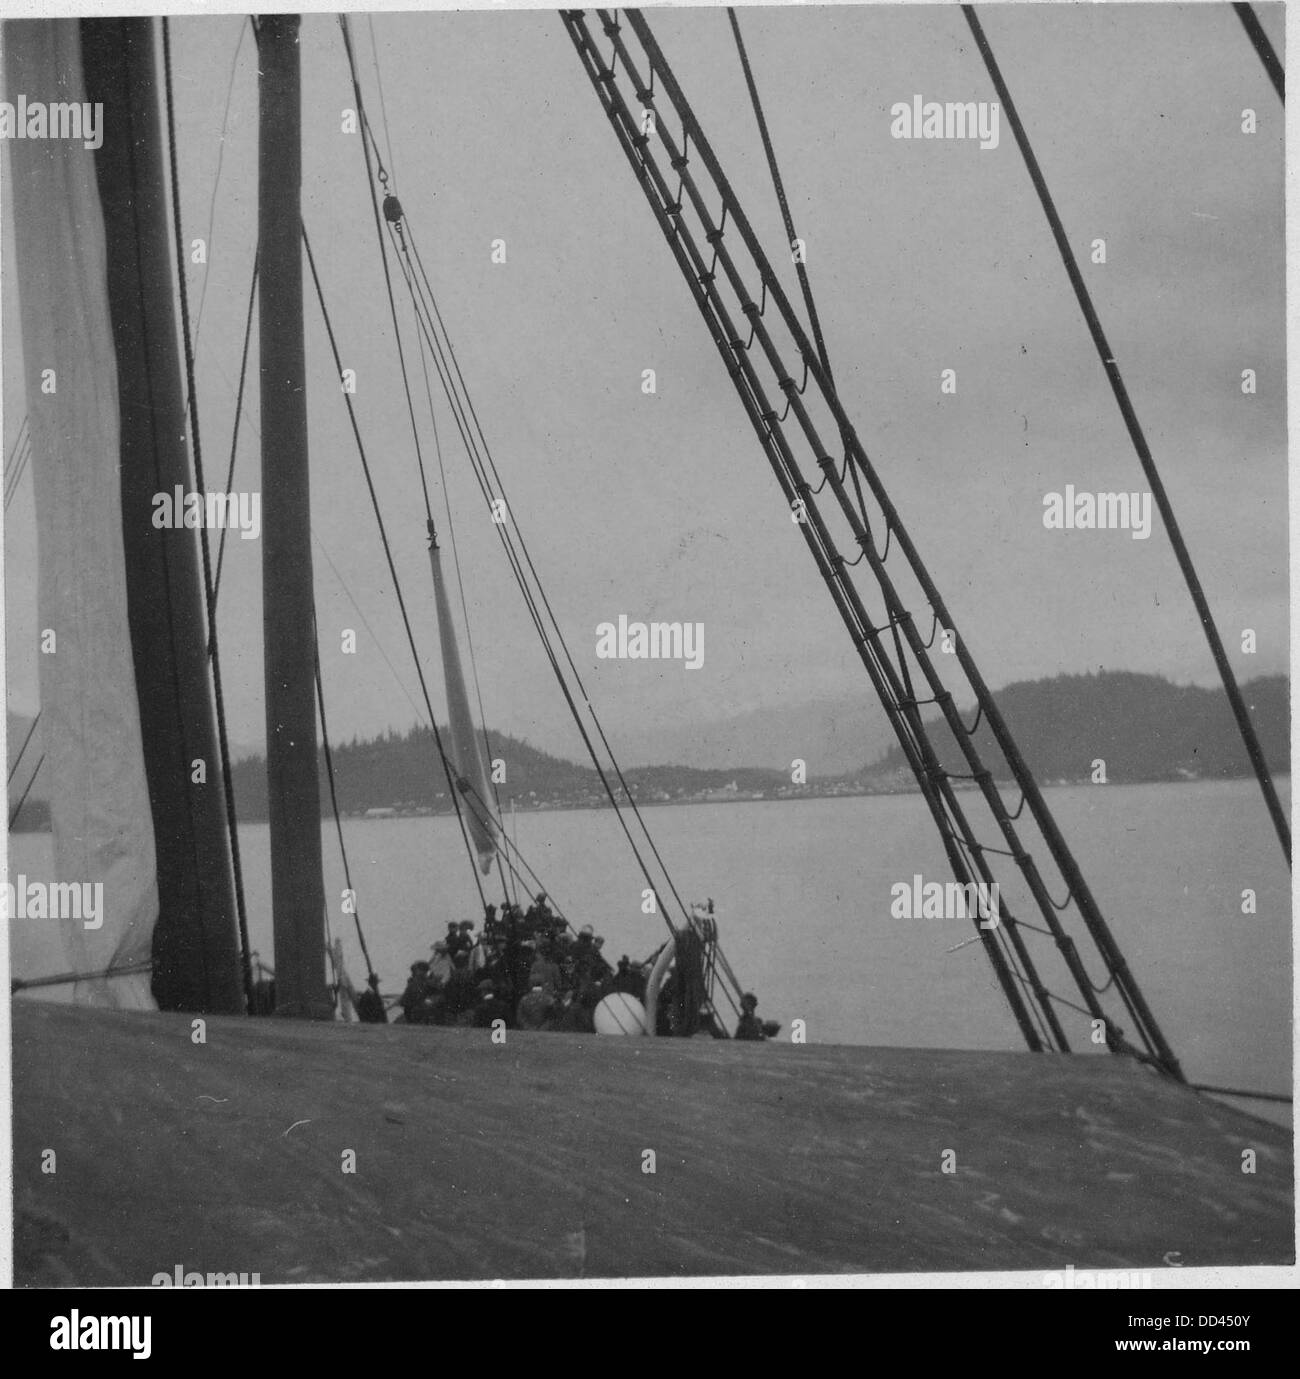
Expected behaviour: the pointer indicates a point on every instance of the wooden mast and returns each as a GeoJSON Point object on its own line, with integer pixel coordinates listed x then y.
{"type": "Point", "coordinates": [289, 632]}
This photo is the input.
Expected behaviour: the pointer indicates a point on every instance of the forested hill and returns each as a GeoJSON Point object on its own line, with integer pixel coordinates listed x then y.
{"type": "Point", "coordinates": [401, 771]}
{"type": "Point", "coordinates": [1143, 727]}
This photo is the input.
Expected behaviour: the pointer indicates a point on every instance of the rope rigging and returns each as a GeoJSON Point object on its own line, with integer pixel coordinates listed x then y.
{"type": "Point", "coordinates": [371, 975]}
{"type": "Point", "coordinates": [419, 712]}
{"type": "Point", "coordinates": [1240, 712]}
{"type": "Point", "coordinates": [392, 569]}
{"type": "Point", "coordinates": [239, 412]}
{"type": "Point", "coordinates": [13, 770]}
{"type": "Point", "coordinates": [22, 799]}
{"type": "Point", "coordinates": [518, 857]}
{"type": "Point", "coordinates": [495, 807]}
{"type": "Point", "coordinates": [452, 784]}
{"type": "Point", "coordinates": [778, 183]}
{"type": "Point", "coordinates": [329, 560]}
{"type": "Point", "coordinates": [20, 454]}
{"type": "Point", "coordinates": [707, 272]}
{"type": "Point", "coordinates": [381, 174]}
{"type": "Point", "coordinates": [432, 329]}
{"type": "Point", "coordinates": [529, 581]}
{"type": "Point", "coordinates": [766, 426]}
{"type": "Point", "coordinates": [1262, 45]}
{"type": "Point", "coordinates": [209, 588]}
{"type": "Point", "coordinates": [533, 593]}
{"type": "Point", "coordinates": [244, 29]}
{"type": "Point", "coordinates": [527, 874]}
{"type": "Point", "coordinates": [366, 140]}
{"type": "Point", "coordinates": [959, 841]}
{"type": "Point", "coordinates": [338, 575]}
{"type": "Point", "coordinates": [18, 440]}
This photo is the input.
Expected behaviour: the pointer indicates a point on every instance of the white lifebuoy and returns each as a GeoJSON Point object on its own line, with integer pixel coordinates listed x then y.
{"type": "Point", "coordinates": [620, 1013]}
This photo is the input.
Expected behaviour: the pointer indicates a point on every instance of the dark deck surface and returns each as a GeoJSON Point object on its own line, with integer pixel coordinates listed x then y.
{"type": "Point", "coordinates": [525, 1161]}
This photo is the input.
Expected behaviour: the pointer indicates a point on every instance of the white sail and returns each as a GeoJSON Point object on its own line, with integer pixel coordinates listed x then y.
{"type": "Point", "coordinates": [99, 801]}
{"type": "Point", "coordinates": [466, 753]}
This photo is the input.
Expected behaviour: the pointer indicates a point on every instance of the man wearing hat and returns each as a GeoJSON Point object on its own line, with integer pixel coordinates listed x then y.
{"type": "Point", "coordinates": [750, 1026]}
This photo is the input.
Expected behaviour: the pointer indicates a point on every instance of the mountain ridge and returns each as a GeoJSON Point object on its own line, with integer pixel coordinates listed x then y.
{"type": "Point", "coordinates": [1142, 726]}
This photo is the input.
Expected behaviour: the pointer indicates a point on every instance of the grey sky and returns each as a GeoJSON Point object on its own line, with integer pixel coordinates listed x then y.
{"type": "Point", "coordinates": [924, 255]}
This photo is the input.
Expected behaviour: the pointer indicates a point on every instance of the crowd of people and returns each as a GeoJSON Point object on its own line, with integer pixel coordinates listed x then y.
{"type": "Point", "coordinates": [531, 971]}
{"type": "Point", "coordinates": [526, 968]}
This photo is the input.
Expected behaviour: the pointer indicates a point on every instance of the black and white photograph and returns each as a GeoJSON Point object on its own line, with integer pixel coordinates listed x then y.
{"type": "Point", "coordinates": [648, 647]}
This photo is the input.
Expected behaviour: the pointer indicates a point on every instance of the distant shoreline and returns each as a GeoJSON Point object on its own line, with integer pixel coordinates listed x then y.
{"type": "Point", "coordinates": [383, 814]}
{"type": "Point", "coordinates": [805, 793]}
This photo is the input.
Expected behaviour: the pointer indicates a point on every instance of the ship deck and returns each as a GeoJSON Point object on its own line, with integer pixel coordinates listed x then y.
{"type": "Point", "coordinates": [479, 1161]}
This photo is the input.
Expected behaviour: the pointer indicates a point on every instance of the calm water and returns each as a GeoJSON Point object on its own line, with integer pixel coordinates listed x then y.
{"type": "Point", "coordinates": [802, 891]}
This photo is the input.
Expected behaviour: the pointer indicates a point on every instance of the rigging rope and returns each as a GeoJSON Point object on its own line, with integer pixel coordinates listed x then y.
{"type": "Point", "coordinates": [371, 975]}
{"type": "Point", "coordinates": [368, 139]}
{"type": "Point", "coordinates": [239, 412]}
{"type": "Point", "coordinates": [466, 413]}
{"type": "Point", "coordinates": [23, 799]}
{"type": "Point", "coordinates": [420, 715]}
{"type": "Point", "coordinates": [392, 570]}
{"type": "Point", "coordinates": [379, 82]}
{"type": "Point", "coordinates": [767, 426]}
{"type": "Point", "coordinates": [216, 182]}
{"type": "Point", "coordinates": [19, 453]}
{"type": "Point", "coordinates": [792, 239]}
{"type": "Point", "coordinates": [790, 236]}
{"type": "Point", "coordinates": [494, 806]}
{"type": "Point", "coordinates": [13, 770]}
{"type": "Point", "coordinates": [934, 781]}
{"type": "Point", "coordinates": [383, 252]}
{"type": "Point", "coordinates": [1267, 54]}
{"type": "Point", "coordinates": [14, 475]}
{"type": "Point", "coordinates": [1239, 1092]}
{"type": "Point", "coordinates": [69, 978]}
{"type": "Point", "coordinates": [22, 432]}
{"type": "Point", "coordinates": [1108, 361]}
{"type": "Point", "coordinates": [530, 598]}
{"type": "Point", "coordinates": [192, 406]}
{"type": "Point", "coordinates": [365, 622]}
{"type": "Point", "coordinates": [320, 546]}
{"type": "Point", "coordinates": [462, 412]}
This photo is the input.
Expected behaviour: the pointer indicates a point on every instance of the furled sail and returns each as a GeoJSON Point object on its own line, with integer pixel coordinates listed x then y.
{"type": "Point", "coordinates": [466, 754]}
{"type": "Point", "coordinates": [126, 696]}
{"type": "Point", "coordinates": [99, 798]}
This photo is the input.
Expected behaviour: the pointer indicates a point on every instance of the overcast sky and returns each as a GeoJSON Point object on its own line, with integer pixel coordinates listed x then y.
{"type": "Point", "coordinates": [923, 255]}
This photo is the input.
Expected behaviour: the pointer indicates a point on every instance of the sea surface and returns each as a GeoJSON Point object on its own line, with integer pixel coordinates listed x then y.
{"type": "Point", "coordinates": [802, 892]}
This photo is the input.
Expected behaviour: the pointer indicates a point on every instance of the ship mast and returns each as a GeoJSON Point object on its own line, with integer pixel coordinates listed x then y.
{"type": "Point", "coordinates": [288, 616]}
